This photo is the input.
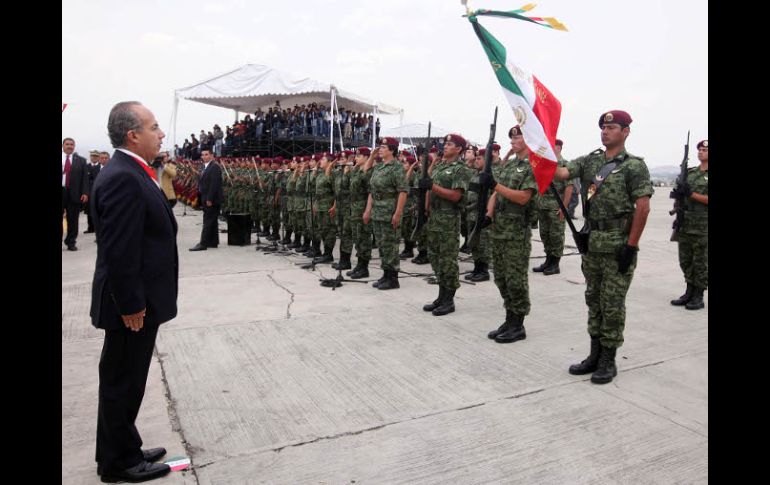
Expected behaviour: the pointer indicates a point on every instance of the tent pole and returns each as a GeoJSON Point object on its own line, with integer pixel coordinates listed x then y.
{"type": "Point", "coordinates": [173, 125]}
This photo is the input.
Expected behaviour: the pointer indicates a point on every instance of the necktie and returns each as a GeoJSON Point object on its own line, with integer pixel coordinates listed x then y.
{"type": "Point", "coordinates": [67, 166]}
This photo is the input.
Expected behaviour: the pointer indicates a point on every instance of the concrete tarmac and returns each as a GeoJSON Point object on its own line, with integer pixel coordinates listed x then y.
{"type": "Point", "coordinates": [267, 377]}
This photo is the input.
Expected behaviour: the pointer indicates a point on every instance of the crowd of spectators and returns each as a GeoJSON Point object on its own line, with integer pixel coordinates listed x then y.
{"type": "Point", "coordinates": [279, 123]}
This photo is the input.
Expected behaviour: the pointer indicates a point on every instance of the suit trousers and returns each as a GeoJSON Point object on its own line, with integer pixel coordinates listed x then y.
{"type": "Point", "coordinates": [123, 369]}
{"type": "Point", "coordinates": [73, 212]}
{"type": "Point", "coordinates": [210, 231]}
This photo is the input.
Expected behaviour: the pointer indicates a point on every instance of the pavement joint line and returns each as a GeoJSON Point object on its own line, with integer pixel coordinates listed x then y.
{"type": "Point", "coordinates": [291, 302]}
{"type": "Point", "coordinates": [176, 425]}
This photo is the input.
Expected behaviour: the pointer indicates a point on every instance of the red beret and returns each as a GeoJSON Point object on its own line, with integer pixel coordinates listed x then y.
{"type": "Point", "coordinates": [615, 116]}
{"type": "Point", "coordinates": [306, 159]}
{"type": "Point", "coordinates": [411, 159]}
{"type": "Point", "coordinates": [347, 153]}
{"type": "Point", "coordinates": [318, 156]}
{"type": "Point", "coordinates": [482, 151]}
{"type": "Point", "coordinates": [559, 142]}
{"type": "Point", "coordinates": [388, 140]}
{"type": "Point", "coordinates": [267, 160]}
{"type": "Point", "coordinates": [456, 139]}
{"type": "Point", "coordinates": [433, 150]}
{"type": "Point", "coordinates": [278, 159]}
{"type": "Point", "coordinates": [703, 144]}
{"type": "Point", "coordinates": [515, 131]}
{"type": "Point", "coordinates": [495, 147]}
{"type": "Point", "coordinates": [364, 151]}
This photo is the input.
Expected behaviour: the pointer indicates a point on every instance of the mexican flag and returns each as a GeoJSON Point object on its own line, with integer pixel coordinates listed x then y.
{"type": "Point", "coordinates": [537, 111]}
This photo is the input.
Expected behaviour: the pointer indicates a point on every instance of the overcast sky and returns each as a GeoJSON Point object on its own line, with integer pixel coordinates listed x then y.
{"type": "Point", "coordinates": [649, 58]}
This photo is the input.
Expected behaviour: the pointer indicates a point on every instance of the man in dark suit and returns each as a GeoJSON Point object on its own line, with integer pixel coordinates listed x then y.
{"type": "Point", "coordinates": [74, 189]}
{"type": "Point", "coordinates": [93, 168]}
{"type": "Point", "coordinates": [134, 288]}
{"type": "Point", "coordinates": [210, 195]}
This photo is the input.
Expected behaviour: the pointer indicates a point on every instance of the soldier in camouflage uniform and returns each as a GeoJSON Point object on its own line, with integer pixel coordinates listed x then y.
{"type": "Point", "coordinates": [270, 199]}
{"type": "Point", "coordinates": [324, 216]}
{"type": "Point", "coordinates": [617, 189]}
{"type": "Point", "coordinates": [297, 216]}
{"type": "Point", "coordinates": [342, 205]}
{"type": "Point", "coordinates": [264, 201]}
{"type": "Point", "coordinates": [359, 195]}
{"type": "Point", "coordinates": [422, 235]}
{"type": "Point", "coordinates": [551, 221]}
{"type": "Point", "coordinates": [310, 223]}
{"type": "Point", "coordinates": [447, 184]}
{"type": "Point", "coordinates": [410, 209]}
{"type": "Point", "coordinates": [254, 195]}
{"type": "Point", "coordinates": [510, 209]}
{"type": "Point", "coordinates": [290, 182]}
{"type": "Point", "coordinates": [482, 253]}
{"type": "Point", "coordinates": [387, 198]}
{"type": "Point", "coordinates": [693, 235]}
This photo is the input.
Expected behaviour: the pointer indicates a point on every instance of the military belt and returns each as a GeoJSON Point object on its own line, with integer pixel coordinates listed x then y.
{"type": "Point", "coordinates": [384, 195]}
{"type": "Point", "coordinates": [607, 224]}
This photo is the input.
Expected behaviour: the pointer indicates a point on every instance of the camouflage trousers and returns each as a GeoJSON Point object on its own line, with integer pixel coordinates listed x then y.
{"type": "Point", "coordinates": [362, 236]}
{"type": "Point", "coordinates": [606, 292]}
{"type": "Point", "coordinates": [256, 210]}
{"type": "Point", "coordinates": [346, 231]}
{"type": "Point", "coordinates": [325, 228]}
{"type": "Point", "coordinates": [264, 214]}
{"type": "Point", "coordinates": [694, 259]}
{"type": "Point", "coordinates": [387, 242]}
{"type": "Point", "coordinates": [309, 225]}
{"type": "Point", "coordinates": [275, 216]}
{"type": "Point", "coordinates": [407, 223]}
{"type": "Point", "coordinates": [443, 248]}
{"type": "Point", "coordinates": [511, 260]}
{"type": "Point", "coordinates": [482, 253]}
{"type": "Point", "coordinates": [287, 226]}
{"type": "Point", "coordinates": [551, 232]}
{"type": "Point", "coordinates": [422, 238]}
{"type": "Point", "coordinates": [297, 221]}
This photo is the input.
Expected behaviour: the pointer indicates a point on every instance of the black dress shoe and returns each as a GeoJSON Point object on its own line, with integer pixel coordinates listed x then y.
{"type": "Point", "coordinates": [72, 247]}
{"type": "Point", "coordinates": [198, 247]}
{"type": "Point", "coordinates": [140, 473]}
{"type": "Point", "coordinates": [153, 454]}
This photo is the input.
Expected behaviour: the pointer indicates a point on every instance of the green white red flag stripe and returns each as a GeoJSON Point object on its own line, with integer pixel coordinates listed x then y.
{"type": "Point", "coordinates": [537, 111]}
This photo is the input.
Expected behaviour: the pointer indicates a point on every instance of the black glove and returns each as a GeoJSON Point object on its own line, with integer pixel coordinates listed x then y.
{"type": "Point", "coordinates": [487, 221]}
{"type": "Point", "coordinates": [425, 183]}
{"type": "Point", "coordinates": [626, 256]}
{"type": "Point", "coordinates": [683, 190]}
{"type": "Point", "coordinates": [487, 180]}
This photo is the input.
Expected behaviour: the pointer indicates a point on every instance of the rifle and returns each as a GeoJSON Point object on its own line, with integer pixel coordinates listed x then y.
{"type": "Point", "coordinates": [679, 200]}
{"type": "Point", "coordinates": [422, 212]}
{"type": "Point", "coordinates": [481, 208]}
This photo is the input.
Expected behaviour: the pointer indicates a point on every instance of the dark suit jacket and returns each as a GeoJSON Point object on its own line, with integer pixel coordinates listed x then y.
{"type": "Point", "coordinates": [137, 265]}
{"type": "Point", "coordinates": [210, 185]}
{"type": "Point", "coordinates": [79, 183]}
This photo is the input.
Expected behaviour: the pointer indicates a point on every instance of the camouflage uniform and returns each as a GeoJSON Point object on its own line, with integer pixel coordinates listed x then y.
{"type": "Point", "coordinates": [265, 202]}
{"type": "Point", "coordinates": [610, 213]}
{"type": "Point", "coordinates": [410, 210]}
{"type": "Point", "coordinates": [551, 226]}
{"type": "Point", "coordinates": [693, 235]}
{"type": "Point", "coordinates": [444, 224]}
{"type": "Point", "coordinates": [510, 236]}
{"type": "Point", "coordinates": [323, 199]}
{"type": "Point", "coordinates": [386, 183]}
{"type": "Point", "coordinates": [421, 238]}
{"type": "Point", "coordinates": [362, 233]}
{"type": "Point", "coordinates": [482, 253]}
{"type": "Point", "coordinates": [342, 196]}
{"type": "Point", "coordinates": [290, 198]}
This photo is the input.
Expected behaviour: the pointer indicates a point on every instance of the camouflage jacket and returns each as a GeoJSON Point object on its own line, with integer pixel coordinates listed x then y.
{"type": "Point", "coordinates": [512, 220]}
{"type": "Point", "coordinates": [385, 184]}
{"type": "Point", "coordinates": [445, 214]}
{"type": "Point", "coordinates": [696, 215]}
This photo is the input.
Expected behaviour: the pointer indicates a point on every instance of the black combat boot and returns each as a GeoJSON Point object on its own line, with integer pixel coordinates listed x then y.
{"type": "Point", "coordinates": [553, 268]}
{"type": "Point", "coordinates": [391, 280]}
{"type": "Point", "coordinates": [606, 369]}
{"type": "Point", "coordinates": [314, 251]}
{"type": "Point", "coordinates": [265, 230]}
{"type": "Point", "coordinates": [306, 245]}
{"type": "Point", "coordinates": [590, 363]}
{"type": "Point", "coordinates": [344, 261]}
{"type": "Point", "coordinates": [432, 306]}
{"type": "Point", "coordinates": [514, 332]}
{"type": "Point", "coordinates": [542, 267]}
{"type": "Point", "coordinates": [287, 238]}
{"type": "Point", "coordinates": [682, 300]}
{"type": "Point", "coordinates": [473, 273]}
{"type": "Point", "coordinates": [327, 256]}
{"type": "Point", "coordinates": [482, 274]}
{"type": "Point", "coordinates": [422, 257]}
{"type": "Point", "coordinates": [696, 302]}
{"type": "Point", "coordinates": [382, 279]}
{"type": "Point", "coordinates": [297, 241]}
{"type": "Point", "coordinates": [408, 251]}
{"type": "Point", "coordinates": [361, 271]}
{"type": "Point", "coordinates": [446, 306]}
{"type": "Point", "coordinates": [503, 327]}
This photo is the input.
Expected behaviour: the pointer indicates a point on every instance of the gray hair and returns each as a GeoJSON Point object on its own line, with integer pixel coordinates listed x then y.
{"type": "Point", "coordinates": [122, 120]}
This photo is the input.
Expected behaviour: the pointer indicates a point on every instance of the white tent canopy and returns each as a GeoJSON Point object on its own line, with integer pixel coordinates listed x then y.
{"type": "Point", "coordinates": [256, 86]}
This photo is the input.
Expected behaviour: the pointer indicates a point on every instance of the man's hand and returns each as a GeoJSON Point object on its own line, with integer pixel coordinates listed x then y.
{"type": "Point", "coordinates": [561, 214]}
{"type": "Point", "coordinates": [332, 211]}
{"type": "Point", "coordinates": [84, 198]}
{"type": "Point", "coordinates": [134, 322]}
{"type": "Point", "coordinates": [487, 180]}
{"type": "Point", "coordinates": [395, 220]}
{"type": "Point", "coordinates": [626, 257]}
{"type": "Point", "coordinates": [367, 216]}
{"type": "Point", "coordinates": [209, 203]}
{"type": "Point", "coordinates": [425, 183]}
{"type": "Point", "coordinates": [683, 190]}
